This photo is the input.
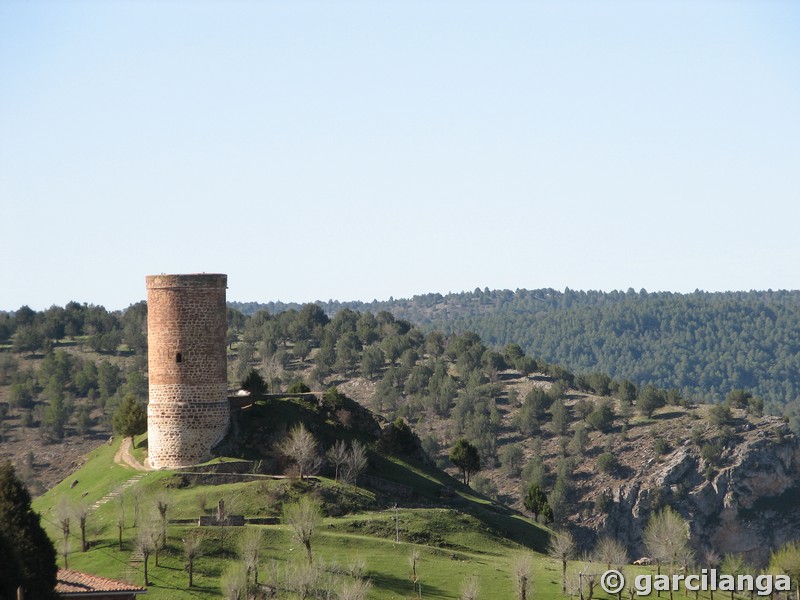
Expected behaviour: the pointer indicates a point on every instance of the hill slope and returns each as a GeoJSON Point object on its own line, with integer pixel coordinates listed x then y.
{"type": "Point", "coordinates": [453, 539]}
{"type": "Point", "coordinates": [703, 344]}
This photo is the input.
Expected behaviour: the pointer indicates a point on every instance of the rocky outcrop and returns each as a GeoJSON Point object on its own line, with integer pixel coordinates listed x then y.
{"type": "Point", "coordinates": [749, 504]}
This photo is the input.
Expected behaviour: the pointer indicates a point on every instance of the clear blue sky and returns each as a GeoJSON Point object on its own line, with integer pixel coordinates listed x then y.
{"type": "Point", "coordinates": [360, 150]}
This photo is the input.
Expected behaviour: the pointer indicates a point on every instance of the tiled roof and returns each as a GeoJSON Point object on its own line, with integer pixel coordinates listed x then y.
{"type": "Point", "coordinates": [74, 582]}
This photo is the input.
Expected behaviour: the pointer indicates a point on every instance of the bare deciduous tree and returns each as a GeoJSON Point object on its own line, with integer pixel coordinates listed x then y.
{"type": "Point", "coordinates": [574, 580]}
{"type": "Point", "coordinates": [610, 552]}
{"type": "Point", "coordinates": [356, 568]}
{"type": "Point", "coordinates": [355, 589]}
{"type": "Point", "coordinates": [688, 563]}
{"type": "Point", "coordinates": [303, 579]}
{"type": "Point", "coordinates": [470, 588]}
{"type": "Point", "coordinates": [152, 531]}
{"type": "Point", "coordinates": [587, 578]}
{"type": "Point", "coordinates": [81, 511]}
{"type": "Point", "coordinates": [337, 454]}
{"type": "Point", "coordinates": [562, 548]}
{"type": "Point", "coordinates": [250, 548]}
{"type": "Point", "coordinates": [234, 582]}
{"type": "Point", "coordinates": [120, 517]}
{"type": "Point", "coordinates": [523, 569]}
{"type": "Point", "coordinates": [162, 504]}
{"type": "Point", "coordinates": [302, 448]}
{"type": "Point", "coordinates": [712, 560]}
{"type": "Point", "coordinates": [666, 537]}
{"type": "Point", "coordinates": [303, 518]}
{"type": "Point", "coordinates": [146, 543]}
{"type": "Point", "coordinates": [64, 515]}
{"type": "Point", "coordinates": [136, 495]}
{"type": "Point", "coordinates": [66, 546]}
{"type": "Point", "coordinates": [192, 549]}
{"type": "Point", "coordinates": [413, 559]}
{"type": "Point", "coordinates": [272, 368]}
{"type": "Point", "coordinates": [355, 463]}
{"type": "Point", "coordinates": [225, 507]}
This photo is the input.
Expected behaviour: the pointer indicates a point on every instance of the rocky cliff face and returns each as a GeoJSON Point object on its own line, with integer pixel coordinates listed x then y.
{"type": "Point", "coordinates": [748, 504]}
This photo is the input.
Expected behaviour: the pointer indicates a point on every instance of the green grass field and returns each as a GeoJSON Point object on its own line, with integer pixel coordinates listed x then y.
{"type": "Point", "coordinates": [470, 539]}
{"type": "Point", "coordinates": [462, 538]}
{"type": "Point", "coordinates": [452, 544]}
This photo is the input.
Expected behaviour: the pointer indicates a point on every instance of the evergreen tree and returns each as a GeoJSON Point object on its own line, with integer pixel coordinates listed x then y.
{"type": "Point", "coordinates": [130, 418]}
{"type": "Point", "coordinates": [465, 456]}
{"type": "Point", "coordinates": [8, 584]}
{"type": "Point", "coordinates": [254, 383]}
{"type": "Point", "coordinates": [602, 417]}
{"type": "Point", "coordinates": [536, 501]}
{"type": "Point", "coordinates": [29, 559]}
{"type": "Point", "coordinates": [560, 420]}
{"type": "Point", "coordinates": [650, 399]}
{"type": "Point", "coordinates": [55, 417]}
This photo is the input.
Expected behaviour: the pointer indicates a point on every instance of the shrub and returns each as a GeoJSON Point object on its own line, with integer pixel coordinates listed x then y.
{"type": "Point", "coordinates": [720, 415]}
{"type": "Point", "coordinates": [607, 462]}
{"type": "Point", "coordinates": [650, 398]}
{"type": "Point", "coordinates": [697, 435]}
{"type": "Point", "coordinates": [603, 502]}
{"type": "Point", "coordinates": [484, 485]}
{"type": "Point", "coordinates": [602, 417]}
{"type": "Point", "coordinates": [711, 452]}
{"type": "Point", "coordinates": [583, 408]}
{"type": "Point", "coordinates": [511, 457]}
{"type": "Point", "coordinates": [27, 419]}
{"type": "Point", "coordinates": [333, 398]}
{"type": "Point", "coordinates": [580, 439]}
{"type": "Point", "coordinates": [661, 446]}
{"type": "Point", "coordinates": [20, 396]}
{"type": "Point", "coordinates": [535, 471]}
{"type": "Point", "coordinates": [298, 387]}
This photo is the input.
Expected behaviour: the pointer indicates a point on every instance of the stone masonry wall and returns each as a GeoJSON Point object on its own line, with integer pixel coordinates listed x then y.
{"type": "Point", "coordinates": [188, 411]}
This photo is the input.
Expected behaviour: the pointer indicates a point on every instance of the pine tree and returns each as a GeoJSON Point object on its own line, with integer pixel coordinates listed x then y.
{"type": "Point", "coordinates": [536, 501]}
{"type": "Point", "coordinates": [29, 558]}
{"type": "Point", "coordinates": [254, 383]}
{"type": "Point", "coordinates": [130, 418]}
{"type": "Point", "coordinates": [465, 456]}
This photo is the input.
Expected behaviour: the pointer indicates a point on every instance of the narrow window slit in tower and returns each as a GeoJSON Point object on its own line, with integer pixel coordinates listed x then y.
{"type": "Point", "coordinates": [178, 357]}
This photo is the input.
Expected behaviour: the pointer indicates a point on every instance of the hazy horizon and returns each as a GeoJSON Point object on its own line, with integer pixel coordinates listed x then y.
{"type": "Point", "coordinates": [390, 298]}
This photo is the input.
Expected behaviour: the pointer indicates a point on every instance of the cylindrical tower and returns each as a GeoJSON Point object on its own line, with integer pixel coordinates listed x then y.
{"type": "Point", "coordinates": [188, 412]}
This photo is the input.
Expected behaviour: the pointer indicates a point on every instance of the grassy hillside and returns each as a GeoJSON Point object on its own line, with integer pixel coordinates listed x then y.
{"type": "Point", "coordinates": [463, 539]}
{"type": "Point", "coordinates": [469, 538]}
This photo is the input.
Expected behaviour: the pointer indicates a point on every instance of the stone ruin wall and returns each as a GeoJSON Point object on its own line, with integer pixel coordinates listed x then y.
{"type": "Point", "coordinates": [188, 411]}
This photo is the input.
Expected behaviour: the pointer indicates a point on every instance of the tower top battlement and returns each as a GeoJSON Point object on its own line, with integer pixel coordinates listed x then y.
{"type": "Point", "coordinates": [193, 280]}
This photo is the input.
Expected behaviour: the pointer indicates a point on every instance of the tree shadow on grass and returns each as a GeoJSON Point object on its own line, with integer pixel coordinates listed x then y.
{"type": "Point", "coordinates": [428, 484]}
{"type": "Point", "coordinates": [404, 587]}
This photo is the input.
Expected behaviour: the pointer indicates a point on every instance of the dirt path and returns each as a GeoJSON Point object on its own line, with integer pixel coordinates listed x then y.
{"type": "Point", "coordinates": [124, 456]}
{"type": "Point", "coordinates": [120, 489]}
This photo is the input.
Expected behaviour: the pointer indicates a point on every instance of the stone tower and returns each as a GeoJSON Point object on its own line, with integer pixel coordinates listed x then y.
{"type": "Point", "coordinates": [188, 411]}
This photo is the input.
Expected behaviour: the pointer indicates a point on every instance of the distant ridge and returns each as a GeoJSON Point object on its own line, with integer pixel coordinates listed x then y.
{"type": "Point", "coordinates": [703, 343]}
